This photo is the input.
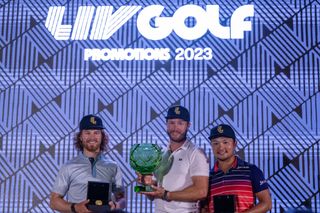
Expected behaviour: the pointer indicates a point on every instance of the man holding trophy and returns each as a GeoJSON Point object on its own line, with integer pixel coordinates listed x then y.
{"type": "Point", "coordinates": [181, 179]}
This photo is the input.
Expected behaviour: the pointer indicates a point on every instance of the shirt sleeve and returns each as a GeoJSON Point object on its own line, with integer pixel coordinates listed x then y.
{"type": "Point", "coordinates": [118, 180]}
{"type": "Point", "coordinates": [61, 183]}
{"type": "Point", "coordinates": [199, 165]}
{"type": "Point", "coordinates": [259, 183]}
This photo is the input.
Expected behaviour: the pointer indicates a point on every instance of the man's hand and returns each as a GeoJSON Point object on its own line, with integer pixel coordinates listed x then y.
{"type": "Point", "coordinates": [58, 203]}
{"type": "Point", "coordinates": [113, 205]}
{"type": "Point", "coordinates": [157, 192]}
{"type": "Point", "coordinates": [145, 179]}
{"type": "Point", "coordinates": [82, 207]}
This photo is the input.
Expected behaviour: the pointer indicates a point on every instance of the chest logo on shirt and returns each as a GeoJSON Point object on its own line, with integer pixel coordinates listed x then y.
{"type": "Point", "coordinates": [180, 159]}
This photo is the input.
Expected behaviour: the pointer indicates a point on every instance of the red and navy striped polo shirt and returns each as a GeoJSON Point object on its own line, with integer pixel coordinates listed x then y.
{"type": "Point", "coordinates": [242, 180]}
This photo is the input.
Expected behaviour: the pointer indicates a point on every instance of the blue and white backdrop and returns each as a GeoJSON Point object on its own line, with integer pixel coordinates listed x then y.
{"type": "Point", "coordinates": [254, 67]}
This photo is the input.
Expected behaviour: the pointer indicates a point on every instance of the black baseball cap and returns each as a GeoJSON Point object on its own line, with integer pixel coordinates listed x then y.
{"type": "Point", "coordinates": [222, 130]}
{"type": "Point", "coordinates": [178, 112]}
{"type": "Point", "coordinates": [91, 122]}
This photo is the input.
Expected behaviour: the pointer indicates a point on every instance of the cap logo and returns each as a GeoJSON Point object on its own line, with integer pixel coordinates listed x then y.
{"type": "Point", "coordinates": [219, 129]}
{"type": "Point", "coordinates": [93, 120]}
{"type": "Point", "coordinates": [177, 111]}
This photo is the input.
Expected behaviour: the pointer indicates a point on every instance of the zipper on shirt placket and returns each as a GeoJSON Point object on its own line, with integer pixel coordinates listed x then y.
{"type": "Point", "coordinates": [93, 168]}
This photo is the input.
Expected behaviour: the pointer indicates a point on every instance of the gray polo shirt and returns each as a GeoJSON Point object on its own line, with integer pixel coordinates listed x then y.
{"type": "Point", "coordinates": [72, 179]}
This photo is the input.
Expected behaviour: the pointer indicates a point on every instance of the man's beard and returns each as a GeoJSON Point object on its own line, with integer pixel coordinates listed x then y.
{"type": "Point", "coordinates": [181, 139]}
{"type": "Point", "coordinates": [91, 147]}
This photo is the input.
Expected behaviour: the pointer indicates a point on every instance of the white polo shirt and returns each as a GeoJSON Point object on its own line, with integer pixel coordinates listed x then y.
{"type": "Point", "coordinates": [188, 161]}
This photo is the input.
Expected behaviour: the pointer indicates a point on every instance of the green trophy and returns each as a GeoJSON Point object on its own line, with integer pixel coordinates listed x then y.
{"type": "Point", "coordinates": [145, 158]}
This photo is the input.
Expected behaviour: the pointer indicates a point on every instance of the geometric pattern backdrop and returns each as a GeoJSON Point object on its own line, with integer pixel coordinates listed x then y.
{"type": "Point", "coordinates": [266, 85]}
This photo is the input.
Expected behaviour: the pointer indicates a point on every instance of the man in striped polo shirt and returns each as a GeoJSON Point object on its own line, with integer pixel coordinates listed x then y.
{"type": "Point", "coordinates": [234, 184]}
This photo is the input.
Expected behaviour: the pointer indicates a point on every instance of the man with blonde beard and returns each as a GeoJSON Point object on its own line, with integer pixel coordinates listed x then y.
{"type": "Point", "coordinates": [187, 180]}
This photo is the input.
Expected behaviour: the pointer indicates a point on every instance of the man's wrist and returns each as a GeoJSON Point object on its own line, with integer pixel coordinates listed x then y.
{"type": "Point", "coordinates": [165, 195]}
{"type": "Point", "coordinates": [73, 208]}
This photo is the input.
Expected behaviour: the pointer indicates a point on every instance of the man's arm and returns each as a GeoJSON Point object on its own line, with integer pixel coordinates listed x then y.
{"type": "Point", "coordinates": [58, 203]}
{"type": "Point", "coordinates": [198, 190]}
{"type": "Point", "coordinates": [264, 204]}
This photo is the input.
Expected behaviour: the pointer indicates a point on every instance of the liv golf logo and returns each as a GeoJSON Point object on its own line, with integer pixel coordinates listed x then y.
{"type": "Point", "coordinates": [100, 23]}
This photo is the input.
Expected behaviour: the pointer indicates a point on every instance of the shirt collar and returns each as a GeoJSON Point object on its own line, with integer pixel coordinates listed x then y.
{"type": "Point", "coordinates": [184, 146]}
{"type": "Point", "coordinates": [82, 155]}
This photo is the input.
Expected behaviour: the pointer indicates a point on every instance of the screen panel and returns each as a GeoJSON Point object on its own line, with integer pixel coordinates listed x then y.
{"type": "Point", "coordinates": [62, 60]}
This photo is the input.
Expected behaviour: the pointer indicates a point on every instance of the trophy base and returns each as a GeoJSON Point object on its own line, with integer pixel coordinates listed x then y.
{"type": "Point", "coordinates": [143, 189]}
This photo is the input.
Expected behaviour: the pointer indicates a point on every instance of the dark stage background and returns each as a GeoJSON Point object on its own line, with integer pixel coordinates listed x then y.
{"type": "Point", "coordinates": [265, 85]}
